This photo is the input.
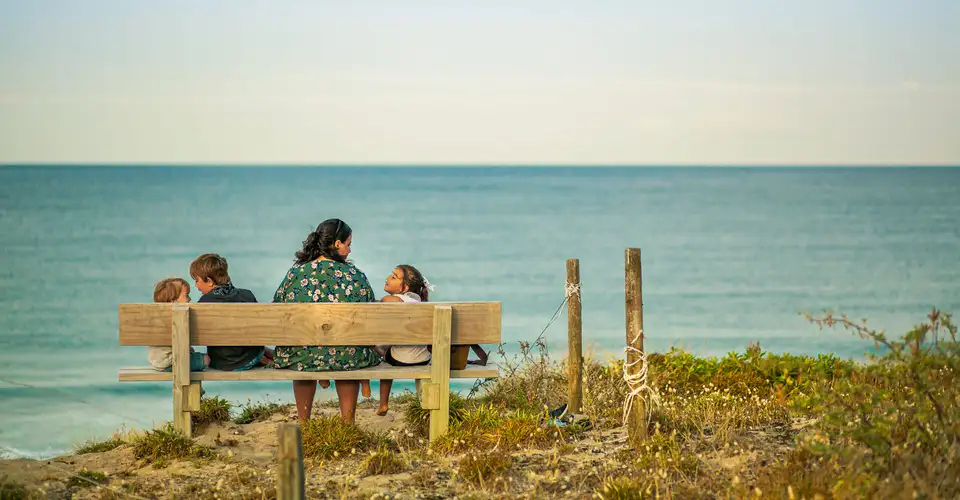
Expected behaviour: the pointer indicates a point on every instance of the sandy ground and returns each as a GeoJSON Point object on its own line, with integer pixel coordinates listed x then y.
{"type": "Point", "coordinates": [248, 467]}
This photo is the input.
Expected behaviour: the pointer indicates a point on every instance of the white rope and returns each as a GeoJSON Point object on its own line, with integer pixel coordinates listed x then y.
{"type": "Point", "coordinates": [637, 382]}
{"type": "Point", "coordinates": [571, 289]}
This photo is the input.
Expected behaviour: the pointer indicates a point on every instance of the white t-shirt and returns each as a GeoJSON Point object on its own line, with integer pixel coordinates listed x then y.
{"type": "Point", "coordinates": [409, 353]}
{"type": "Point", "coordinates": [160, 358]}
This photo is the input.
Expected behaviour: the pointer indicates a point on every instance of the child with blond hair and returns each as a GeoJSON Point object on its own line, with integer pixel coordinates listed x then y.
{"type": "Point", "coordinates": [161, 357]}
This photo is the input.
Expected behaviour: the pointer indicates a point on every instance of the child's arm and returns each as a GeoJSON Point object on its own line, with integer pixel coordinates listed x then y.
{"type": "Point", "coordinates": [390, 298]}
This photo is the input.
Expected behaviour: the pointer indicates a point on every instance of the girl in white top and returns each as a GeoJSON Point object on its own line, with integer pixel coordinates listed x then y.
{"type": "Point", "coordinates": [405, 284]}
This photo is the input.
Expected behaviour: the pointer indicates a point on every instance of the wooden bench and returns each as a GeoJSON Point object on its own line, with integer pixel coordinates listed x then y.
{"type": "Point", "coordinates": [437, 323]}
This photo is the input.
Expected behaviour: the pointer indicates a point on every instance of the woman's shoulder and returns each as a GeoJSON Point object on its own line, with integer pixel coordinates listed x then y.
{"type": "Point", "coordinates": [324, 268]}
{"type": "Point", "coordinates": [352, 269]}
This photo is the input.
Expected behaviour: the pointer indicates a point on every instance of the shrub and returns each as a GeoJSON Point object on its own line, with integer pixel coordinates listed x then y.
{"type": "Point", "coordinates": [383, 460]}
{"type": "Point", "coordinates": [895, 428]}
{"type": "Point", "coordinates": [86, 478]}
{"type": "Point", "coordinates": [480, 467]}
{"type": "Point", "coordinates": [418, 418]}
{"type": "Point", "coordinates": [160, 445]}
{"type": "Point", "coordinates": [212, 410]}
{"type": "Point", "coordinates": [258, 412]}
{"type": "Point", "coordinates": [99, 446]}
{"type": "Point", "coordinates": [327, 436]}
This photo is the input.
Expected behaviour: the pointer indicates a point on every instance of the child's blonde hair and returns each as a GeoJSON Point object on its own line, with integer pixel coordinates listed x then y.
{"type": "Point", "coordinates": [168, 290]}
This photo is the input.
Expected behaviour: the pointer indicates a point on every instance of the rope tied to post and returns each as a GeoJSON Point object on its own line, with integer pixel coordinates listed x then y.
{"type": "Point", "coordinates": [571, 289]}
{"type": "Point", "coordinates": [637, 382]}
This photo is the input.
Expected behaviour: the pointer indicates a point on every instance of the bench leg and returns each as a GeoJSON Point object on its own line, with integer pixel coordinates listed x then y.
{"type": "Point", "coordinates": [419, 384]}
{"type": "Point", "coordinates": [440, 373]}
{"type": "Point", "coordinates": [181, 409]}
{"type": "Point", "coordinates": [189, 399]}
{"type": "Point", "coordinates": [185, 395]}
{"type": "Point", "coordinates": [193, 396]}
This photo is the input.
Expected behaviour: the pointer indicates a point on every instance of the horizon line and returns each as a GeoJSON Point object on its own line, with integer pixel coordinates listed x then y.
{"type": "Point", "coordinates": [478, 165]}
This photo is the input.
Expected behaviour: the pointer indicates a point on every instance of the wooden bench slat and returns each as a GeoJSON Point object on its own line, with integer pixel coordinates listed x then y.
{"type": "Point", "coordinates": [148, 374]}
{"type": "Point", "coordinates": [310, 324]}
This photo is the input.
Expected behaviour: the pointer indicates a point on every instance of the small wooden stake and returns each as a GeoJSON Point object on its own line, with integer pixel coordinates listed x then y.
{"type": "Point", "coordinates": [633, 288]}
{"type": "Point", "coordinates": [290, 484]}
{"type": "Point", "coordinates": [574, 338]}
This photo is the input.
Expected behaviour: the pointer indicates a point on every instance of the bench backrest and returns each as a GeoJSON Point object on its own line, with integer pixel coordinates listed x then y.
{"type": "Point", "coordinates": [309, 324]}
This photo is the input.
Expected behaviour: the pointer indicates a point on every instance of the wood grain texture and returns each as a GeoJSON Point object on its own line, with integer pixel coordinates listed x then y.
{"type": "Point", "coordinates": [440, 376]}
{"type": "Point", "coordinates": [310, 324]}
{"type": "Point", "coordinates": [148, 374]}
{"type": "Point", "coordinates": [179, 326]}
{"type": "Point", "coordinates": [193, 397]}
{"type": "Point", "coordinates": [290, 478]}
{"type": "Point", "coordinates": [574, 340]}
{"type": "Point", "coordinates": [430, 396]}
{"type": "Point", "coordinates": [633, 304]}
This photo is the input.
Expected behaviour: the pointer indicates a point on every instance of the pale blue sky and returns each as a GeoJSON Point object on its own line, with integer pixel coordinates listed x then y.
{"type": "Point", "coordinates": [539, 82]}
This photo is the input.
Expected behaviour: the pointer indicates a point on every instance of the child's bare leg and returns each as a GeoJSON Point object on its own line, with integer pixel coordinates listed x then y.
{"type": "Point", "coordinates": [206, 359]}
{"type": "Point", "coordinates": [385, 386]}
{"type": "Point", "coordinates": [365, 388]}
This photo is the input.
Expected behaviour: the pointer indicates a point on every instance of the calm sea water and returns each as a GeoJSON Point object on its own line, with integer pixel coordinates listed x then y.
{"type": "Point", "coordinates": [729, 256]}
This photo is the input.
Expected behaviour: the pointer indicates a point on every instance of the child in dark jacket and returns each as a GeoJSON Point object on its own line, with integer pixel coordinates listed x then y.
{"type": "Point", "coordinates": [209, 272]}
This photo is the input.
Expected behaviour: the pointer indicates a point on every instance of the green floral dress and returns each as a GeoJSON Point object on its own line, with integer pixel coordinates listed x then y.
{"type": "Point", "coordinates": [325, 281]}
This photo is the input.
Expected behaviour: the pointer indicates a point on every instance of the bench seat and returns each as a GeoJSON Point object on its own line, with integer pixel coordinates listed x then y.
{"type": "Point", "coordinates": [383, 371]}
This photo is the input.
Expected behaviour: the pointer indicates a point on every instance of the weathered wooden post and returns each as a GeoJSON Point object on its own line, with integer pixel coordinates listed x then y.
{"type": "Point", "coordinates": [290, 485]}
{"type": "Point", "coordinates": [574, 337]}
{"type": "Point", "coordinates": [633, 288]}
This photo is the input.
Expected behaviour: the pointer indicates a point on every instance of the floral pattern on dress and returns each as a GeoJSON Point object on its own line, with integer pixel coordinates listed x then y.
{"type": "Point", "coordinates": [325, 281]}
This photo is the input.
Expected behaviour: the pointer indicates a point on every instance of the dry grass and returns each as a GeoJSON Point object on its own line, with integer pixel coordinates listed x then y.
{"type": "Point", "coordinates": [99, 446]}
{"type": "Point", "coordinates": [747, 425]}
{"type": "Point", "coordinates": [159, 446]}
{"type": "Point", "coordinates": [259, 412]}
{"type": "Point", "coordinates": [212, 410]}
{"type": "Point", "coordinates": [383, 460]}
{"type": "Point", "coordinates": [328, 437]}
{"type": "Point", "coordinates": [482, 467]}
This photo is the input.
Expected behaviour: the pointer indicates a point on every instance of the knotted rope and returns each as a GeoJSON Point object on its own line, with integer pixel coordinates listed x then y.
{"type": "Point", "coordinates": [637, 382]}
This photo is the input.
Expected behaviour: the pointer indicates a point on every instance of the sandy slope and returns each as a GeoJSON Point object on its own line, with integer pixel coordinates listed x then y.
{"type": "Point", "coordinates": [248, 469]}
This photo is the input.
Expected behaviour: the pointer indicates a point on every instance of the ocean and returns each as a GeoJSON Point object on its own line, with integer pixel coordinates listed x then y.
{"type": "Point", "coordinates": [730, 256]}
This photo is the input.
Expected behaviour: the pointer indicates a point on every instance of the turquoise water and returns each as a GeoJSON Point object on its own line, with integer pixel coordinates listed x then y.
{"type": "Point", "coordinates": [729, 256]}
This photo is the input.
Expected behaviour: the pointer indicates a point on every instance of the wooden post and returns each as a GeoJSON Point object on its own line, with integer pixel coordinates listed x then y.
{"type": "Point", "coordinates": [574, 337]}
{"type": "Point", "coordinates": [180, 325]}
{"type": "Point", "coordinates": [440, 373]}
{"type": "Point", "coordinates": [636, 420]}
{"type": "Point", "coordinates": [290, 485]}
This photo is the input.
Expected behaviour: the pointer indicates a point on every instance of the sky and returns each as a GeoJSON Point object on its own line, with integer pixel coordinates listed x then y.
{"type": "Point", "coordinates": [483, 82]}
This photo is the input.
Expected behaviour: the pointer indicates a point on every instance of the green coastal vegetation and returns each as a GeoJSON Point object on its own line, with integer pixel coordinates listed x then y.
{"type": "Point", "coordinates": [751, 424]}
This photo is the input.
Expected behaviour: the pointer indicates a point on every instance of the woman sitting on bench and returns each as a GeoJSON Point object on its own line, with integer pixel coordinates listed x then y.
{"type": "Point", "coordinates": [321, 274]}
